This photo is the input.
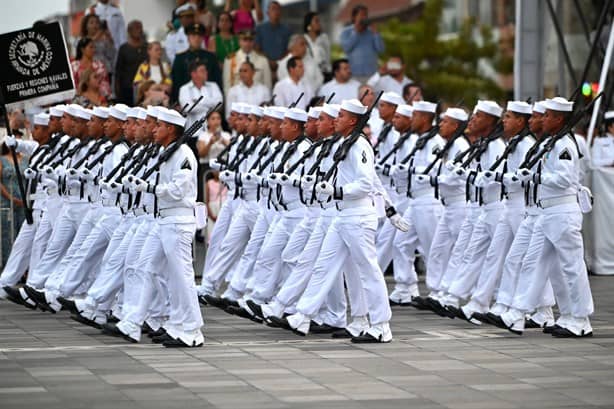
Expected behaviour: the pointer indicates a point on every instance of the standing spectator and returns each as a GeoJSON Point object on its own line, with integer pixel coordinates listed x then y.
{"type": "Point", "coordinates": [131, 54]}
{"type": "Point", "coordinates": [85, 60]}
{"type": "Point", "coordinates": [197, 87]}
{"type": "Point", "coordinates": [105, 48]}
{"type": "Point", "coordinates": [11, 206]}
{"type": "Point", "coordinates": [412, 92]}
{"type": "Point", "coordinates": [247, 90]}
{"type": "Point", "coordinates": [603, 147]}
{"type": "Point", "coordinates": [318, 44]}
{"type": "Point", "coordinates": [272, 37]}
{"type": "Point", "coordinates": [246, 53]}
{"type": "Point", "coordinates": [391, 78]}
{"type": "Point", "coordinates": [213, 140]}
{"type": "Point", "coordinates": [375, 122]}
{"type": "Point", "coordinates": [215, 197]}
{"type": "Point", "coordinates": [177, 40]}
{"type": "Point", "coordinates": [297, 47]}
{"type": "Point", "coordinates": [286, 91]}
{"type": "Point", "coordinates": [154, 68]}
{"type": "Point", "coordinates": [362, 44]}
{"type": "Point", "coordinates": [112, 19]}
{"type": "Point", "coordinates": [180, 73]}
{"type": "Point", "coordinates": [343, 85]}
{"type": "Point", "coordinates": [205, 17]}
{"type": "Point", "coordinates": [246, 16]}
{"type": "Point", "coordinates": [88, 92]}
{"type": "Point", "coordinates": [224, 42]}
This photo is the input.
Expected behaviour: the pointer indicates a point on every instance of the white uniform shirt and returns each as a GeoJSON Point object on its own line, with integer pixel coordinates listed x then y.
{"type": "Point", "coordinates": [115, 21]}
{"type": "Point", "coordinates": [313, 75]}
{"type": "Point", "coordinates": [388, 84]}
{"type": "Point", "coordinates": [560, 174]}
{"type": "Point", "coordinates": [513, 161]}
{"type": "Point", "coordinates": [189, 93]}
{"type": "Point", "coordinates": [420, 161]}
{"type": "Point", "coordinates": [233, 62]}
{"type": "Point", "coordinates": [450, 185]}
{"type": "Point", "coordinates": [603, 151]}
{"type": "Point", "coordinates": [343, 91]}
{"type": "Point", "coordinates": [178, 184]}
{"type": "Point", "coordinates": [254, 95]}
{"type": "Point", "coordinates": [287, 91]}
{"type": "Point", "coordinates": [491, 192]}
{"type": "Point", "coordinates": [176, 42]}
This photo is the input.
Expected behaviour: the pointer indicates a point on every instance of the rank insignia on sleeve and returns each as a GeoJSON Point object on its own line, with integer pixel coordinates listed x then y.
{"type": "Point", "coordinates": [565, 155]}
{"type": "Point", "coordinates": [186, 165]}
{"type": "Point", "coordinates": [364, 157]}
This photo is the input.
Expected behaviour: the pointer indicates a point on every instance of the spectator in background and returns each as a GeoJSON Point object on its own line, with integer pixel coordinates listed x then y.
{"type": "Point", "coordinates": [343, 85]}
{"type": "Point", "coordinates": [297, 47]}
{"type": "Point", "coordinates": [361, 43]}
{"type": "Point", "coordinates": [318, 44]}
{"type": "Point", "coordinates": [272, 37]}
{"type": "Point", "coordinates": [181, 66]}
{"type": "Point", "coordinates": [131, 54]}
{"type": "Point", "coordinates": [205, 17]}
{"type": "Point", "coordinates": [246, 53]}
{"type": "Point", "coordinates": [197, 87]}
{"type": "Point", "coordinates": [86, 50]}
{"type": "Point", "coordinates": [412, 92]}
{"type": "Point", "coordinates": [150, 93]}
{"type": "Point", "coordinates": [112, 19]}
{"type": "Point", "coordinates": [88, 91]}
{"type": "Point", "coordinates": [213, 140]}
{"type": "Point", "coordinates": [246, 16]}
{"type": "Point", "coordinates": [375, 123]}
{"type": "Point", "coordinates": [177, 40]}
{"type": "Point", "coordinates": [286, 91]}
{"type": "Point", "coordinates": [105, 49]}
{"type": "Point", "coordinates": [224, 42]}
{"type": "Point", "coordinates": [603, 147]}
{"type": "Point", "coordinates": [247, 90]}
{"type": "Point", "coordinates": [215, 197]}
{"type": "Point", "coordinates": [154, 68]}
{"type": "Point", "coordinates": [391, 77]}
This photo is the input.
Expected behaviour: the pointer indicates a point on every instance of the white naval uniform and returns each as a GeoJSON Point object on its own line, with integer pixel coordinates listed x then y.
{"type": "Point", "coordinates": [254, 95]}
{"type": "Point", "coordinates": [233, 62]}
{"type": "Point", "coordinates": [603, 151]}
{"type": "Point", "coordinates": [343, 91]}
{"type": "Point", "coordinates": [189, 94]}
{"type": "Point", "coordinates": [176, 42]}
{"type": "Point", "coordinates": [286, 92]}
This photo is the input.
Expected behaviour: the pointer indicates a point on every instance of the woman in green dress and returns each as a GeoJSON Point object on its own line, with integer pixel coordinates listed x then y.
{"type": "Point", "coordinates": [224, 42]}
{"type": "Point", "coordinates": [11, 206]}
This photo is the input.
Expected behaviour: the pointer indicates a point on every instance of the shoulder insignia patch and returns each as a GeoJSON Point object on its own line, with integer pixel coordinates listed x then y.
{"type": "Point", "coordinates": [364, 157]}
{"type": "Point", "coordinates": [565, 155]}
{"type": "Point", "coordinates": [435, 150]}
{"type": "Point", "coordinates": [186, 165]}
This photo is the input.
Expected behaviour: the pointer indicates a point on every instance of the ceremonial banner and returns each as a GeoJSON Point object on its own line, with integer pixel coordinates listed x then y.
{"type": "Point", "coordinates": [36, 68]}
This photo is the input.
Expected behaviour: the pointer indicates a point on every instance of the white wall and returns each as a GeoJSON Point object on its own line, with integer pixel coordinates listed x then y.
{"type": "Point", "coordinates": [153, 13]}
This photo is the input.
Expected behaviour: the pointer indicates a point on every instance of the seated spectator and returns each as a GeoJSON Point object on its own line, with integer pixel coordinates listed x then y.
{"type": "Point", "coordinates": [318, 44]}
{"type": "Point", "coordinates": [247, 90]}
{"type": "Point", "coordinates": [287, 91]}
{"type": "Point", "coordinates": [246, 16]}
{"type": "Point", "coordinates": [246, 53]}
{"type": "Point", "coordinates": [412, 92]}
{"type": "Point", "coordinates": [342, 84]}
{"type": "Point", "coordinates": [130, 55]}
{"type": "Point", "coordinates": [197, 87]}
{"type": "Point", "coordinates": [391, 78]}
{"type": "Point", "coordinates": [224, 42]}
{"type": "Point", "coordinates": [603, 147]}
{"type": "Point", "coordinates": [272, 36]}
{"type": "Point", "coordinates": [297, 47]}
{"type": "Point", "coordinates": [362, 44]}
{"type": "Point", "coordinates": [86, 49]}
{"type": "Point", "coordinates": [91, 28]}
{"type": "Point", "coordinates": [88, 91]}
{"type": "Point", "coordinates": [213, 140]}
{"type": "Point", "coordinates": [150, 93]}
{"type": "Point", "coordinates": [154, 68]}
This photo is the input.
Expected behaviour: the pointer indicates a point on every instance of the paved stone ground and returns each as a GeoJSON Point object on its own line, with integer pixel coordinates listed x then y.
{"type": "Point", "coordinates": [49, 361]}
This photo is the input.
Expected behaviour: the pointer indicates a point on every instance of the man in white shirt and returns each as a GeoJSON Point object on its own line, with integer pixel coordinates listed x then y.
{"type": "Point", "coordinates": [113, 18]}
{"type": "Point", "coordinates": [247, 90]}
{"type": "Point", "coordinates": [603, 147]}
{"type": "Point", "coordinates": [193, 90]}
{"type": "Point", "coordinates": [177, 41]}
{"type": "Point", "coordinates": [343, 85]}
{"type": "Point", "coordinates": [246, 52]}
{"type": "Point", "coordinates": [286, 91]}
{"type": "Point", "coordinates": [393, 79]}
{"type": "Point", "coordinates": [297, 47]}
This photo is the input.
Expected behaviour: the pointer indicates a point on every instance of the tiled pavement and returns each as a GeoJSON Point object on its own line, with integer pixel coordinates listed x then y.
{"type": "Point", "coordinates": [49, 361]}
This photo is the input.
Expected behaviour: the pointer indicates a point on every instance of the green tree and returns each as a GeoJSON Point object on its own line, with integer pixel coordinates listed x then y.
{"type": "Point", "coordinates": [447, 68]}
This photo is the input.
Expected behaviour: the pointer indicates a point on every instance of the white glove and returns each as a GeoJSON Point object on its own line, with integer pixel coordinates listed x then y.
{"type": "Point", "coordinates": [524, 174]}
{"type": "Point", "coordinates": [460, 171]}
{"type": "Point", "coordinates": [510, 179]}
{"type": "Point", "coordinates": [114, 187]}
{"type": "Point", "coordinates": [284, 179]}
{"type": "Point", "coordinates": [251, 179]}
{"type": "Point", "coordinates": [29, 174]}
{"type": "Point", "coordinates": [307, 182]}
{"type": "Point", "coordinates": [10, 141]}
{"type": "Point", "coordinates": [398, 169]}
{"type": "Point", "coordinates": [274, 179]}
{"type": "Point", "coordinates": [227, 176]}
{"type": "Point", "coordinates": [324, 191]}
{"type": "Point", "coordinates": [450, 165]}
{"type": "Point", "coordinates": [379, 168]}
{"type": "Point", "coordinates": [72, 173]}
{"type": "Point", "coordinates": [423, 179]}
{"type": "Point", "coordinates": [489, 177]}
{"type": "Point", "coordinates": [140, 185]}
{"type": "Point", "coordinates": [59, 171]}
{"type": "Point", "coordinates": [479, 180]}
{"type": "Point", "coordinates": [398, 222]}
{"type": "Point", "coordinates": [215, 165]}
{"type": "Point", "coordinates": [86, 174]}
{"type": "Point", "coordinates": [73, 183]}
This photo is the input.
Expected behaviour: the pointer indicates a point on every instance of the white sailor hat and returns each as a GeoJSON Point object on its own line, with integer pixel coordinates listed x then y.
{"type": "Point", "coordinates": [153, 110]}
{"type": "Point", "coordinates": [171, 116]}
{"type": "Point", "coordinates": [41, 119]}
{"type": "Point", "coordinates": [119, 111]}
{"type": "Point", "coordinates": [559, 104]}
{"type": "Point", "coordinates": [608, 115]}
{"type": "Point", "coordinates": [392, 98]}
{"type": "Point", "coordinates": [425, 106]}
{"type": "Point", "coordinates": [405, 110]}
{"type": "Point", "coordinates": [354, 106]}
{"type": "Point", "coordinates": [276, 112]}
{"type": "Point", "coordinates": [296, 114]}
{"type": "Point", "coordinates": [101, 112]}
{"type": "Point", "coordinates": [519, 107]}
{"type": "Point", "coordinates": [188, 7]}
{"type": "Point", "coordinates": [314, 112]}
{"type": "Point", "coordinates": [141, 113]}
{"type": "Point", "coordinates": [539, 107]}
{"type": "Point", "coordinates": [331, 110]}
{"type": "Point", "coordinates": [456, 113]}
{"type": "Point", "coordinates": [258, 111]}
{"type": "Point", "coordinates": [489, 107]}
{"type": "Point", "coordinates": [78, 111]}
{"type": "Point", "coordinates": [245, 109]}
{"type": "Point", "coordinates": [57, 110]}
{"type": "Point", "coordinates": [132, 112]}
{"type": "Point", "coordinates": [234, 107]}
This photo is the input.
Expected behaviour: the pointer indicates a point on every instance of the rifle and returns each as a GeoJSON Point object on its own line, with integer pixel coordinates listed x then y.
{"type": "Point", "coordinates": [396, 147]}
{"type": "Point", "coordinates": [324, 152]}
{"type": "Point", "coordinates": [457, 134]}
{"type": "Point", "coordinates": [511, 147]}
{"type": "Point", "coordinates": [308, 153]}
{"type": "Point", "coordinates": [483, 145]}
{"type": "Point", "coordinates": [69, 153]}
{"type": "Point", "coordinates": [89, 152]}
{"type": "Point", "coordinates": [421, 143]}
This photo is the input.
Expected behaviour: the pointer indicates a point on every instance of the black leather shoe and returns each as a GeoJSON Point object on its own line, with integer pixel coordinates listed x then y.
{"type": "Point", "coordinates": [177, 343]}
{"type": "Point", "coordinates": [323, 329]}
{"type": "Point", "coordinates": [13, 295]}
{"type": "Point", "coordinates": [111, 329]}
{"type": "Point", "coordinates": [146, 329]}
{"type": "Point", "coordinates": [39, 298]}
{"type": "Point", "coordinates": [85, 321]}
{"type": "Point", "coordinates": [69, 305]}
{"type": "Point", "coordinates": [214, 301]}
{"type": "Point", "coordinates": [399, 304]}
{"type": "Point", "coordinates": [436, 307]}
{"type": "Point", "coordinates": [419, 303]}
{"type": "Point", "coordinates": [162, 338]}
{"type": "Point", "coordinates": [342, 333]}
{"type": "Point", "coordinates": [562, 332]}
{"type": "Point", "coordinates": [256, 309]}
{"type": "Point", "coordinates": [202, 300]}
{"type": "Point", "coordinates": [367, 338]}
{"type": "Point", "coordinates": [496, 320]}
{"type": "Point", "coordinates": [550, 329]}
{"type": "Point", "coordinates": [160, 331]}
{"type": "Point", "coordinates": [280, 323]}
{"type": "Point", "coordinates": [112, 319]}
{"type": "Point", "coordinates": [480, 316]}
{"type": "Point", "coordinates": [529, 323]}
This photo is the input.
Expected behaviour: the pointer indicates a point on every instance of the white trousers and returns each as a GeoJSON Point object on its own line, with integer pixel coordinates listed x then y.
{"type": "Point", "coordinates": [220, 229]}
{"type": "Point", "coordinates": [19, 257]}
{"type": "Point", "coordinates": [385, 238]}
